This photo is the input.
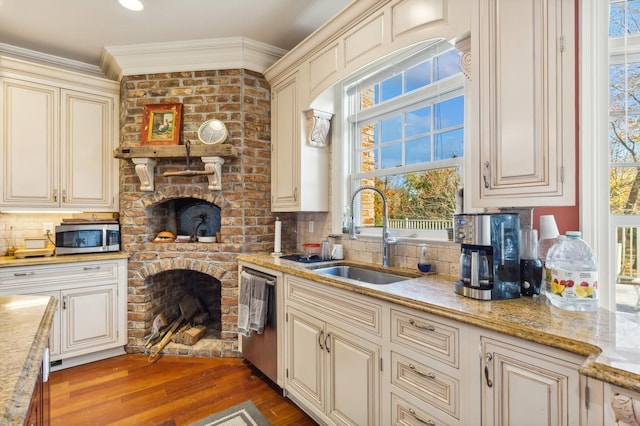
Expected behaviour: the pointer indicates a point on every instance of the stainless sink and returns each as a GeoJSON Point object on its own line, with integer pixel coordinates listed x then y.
{"type": "Point", "coordinates": [360, 274]}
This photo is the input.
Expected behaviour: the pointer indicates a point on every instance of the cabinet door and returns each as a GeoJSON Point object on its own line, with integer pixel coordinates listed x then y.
{"type": "Point", "coordinates": [88, 171]}
{"type": "Point", "coordinates": [285, 145]}
{"type": "Point", "coordinates": [353, 378]}
{"type": "Point", "coordinates": [305, 358]}
{"type": "Point", "coordinates": [29, 138]}
{"type": "Point", "coordinates": [523, 387]}
{"type": "Point", "coordinates": [89, 318]}
{"type": "Point", "coordinates": [523, 103]}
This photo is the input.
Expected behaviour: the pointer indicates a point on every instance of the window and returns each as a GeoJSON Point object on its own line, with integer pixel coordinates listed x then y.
{"type": "Point", "coordinates": [609, 143]}
{"type": "Point", "coordinates": [406, 127]}
{"type": "Point", "coordinates": [624, 149]}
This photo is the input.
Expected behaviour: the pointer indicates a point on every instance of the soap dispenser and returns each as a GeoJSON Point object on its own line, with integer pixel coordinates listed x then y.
{"type": "Point", "coordinates": [423, 263]}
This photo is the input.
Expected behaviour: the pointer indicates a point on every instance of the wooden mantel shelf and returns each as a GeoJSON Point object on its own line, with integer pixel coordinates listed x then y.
{"type": "Point", "coordinates": [174, 151]}
{"type": "Point", "coordinates": [144, 158]}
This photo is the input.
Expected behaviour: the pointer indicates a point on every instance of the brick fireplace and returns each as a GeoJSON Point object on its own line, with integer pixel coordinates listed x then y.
{"type": "Point", "coordinates": [159, 273]}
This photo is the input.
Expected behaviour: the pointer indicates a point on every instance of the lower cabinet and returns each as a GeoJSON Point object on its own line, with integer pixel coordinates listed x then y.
{"type": "Point", "coordinates": [332, 372]}
{"type": "Point", "coordinates": [351, 359]}
{"type": "Point", "coordinates": [90, 319]}
{"type": "Point", "coordinates": [528, 384]}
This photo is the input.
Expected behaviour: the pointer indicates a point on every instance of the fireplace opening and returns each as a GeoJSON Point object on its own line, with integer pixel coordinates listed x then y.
{"type": "Point", "coordinates": [190, 217]}
{"type": "Point", "coordinates": [167, 288]}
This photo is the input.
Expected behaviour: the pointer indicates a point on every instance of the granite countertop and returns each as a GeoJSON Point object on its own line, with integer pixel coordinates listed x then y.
{"type": "Point", "coordinates": [25, 323]}
{"type": "Point", "coordinates": [608, 340]}
{"type": "Point", "coordinates": [13, 262]}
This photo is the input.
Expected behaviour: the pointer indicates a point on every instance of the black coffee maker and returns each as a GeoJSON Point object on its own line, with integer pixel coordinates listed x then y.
{"type": "Point", "coordinates": [489, 258]}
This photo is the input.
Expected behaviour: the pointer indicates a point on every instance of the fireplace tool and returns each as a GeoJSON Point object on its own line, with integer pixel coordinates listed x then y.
{"type": "Point", "coordinates": [188, 308]}
{"type": "Point", "coordinates": [188, 172]}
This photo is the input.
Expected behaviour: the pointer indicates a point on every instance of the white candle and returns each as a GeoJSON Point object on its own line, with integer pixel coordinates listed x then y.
{"type": "Point", "coordinates": [277, 242]}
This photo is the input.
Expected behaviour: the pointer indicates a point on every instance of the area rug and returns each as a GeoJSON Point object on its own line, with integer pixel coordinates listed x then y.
{"type": "Point", "coordinates": [245, 414]}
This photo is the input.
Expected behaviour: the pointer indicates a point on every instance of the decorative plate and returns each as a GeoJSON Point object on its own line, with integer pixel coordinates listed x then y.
{"type": "Point", "coordinates": [212, 132]}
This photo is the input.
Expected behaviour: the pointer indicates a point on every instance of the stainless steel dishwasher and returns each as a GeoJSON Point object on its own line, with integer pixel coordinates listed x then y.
{"type": "Point", "coordinates": [261, 350]}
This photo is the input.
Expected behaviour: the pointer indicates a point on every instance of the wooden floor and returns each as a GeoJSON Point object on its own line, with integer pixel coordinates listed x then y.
{"type": "Point", "coordinates": [127, 390]}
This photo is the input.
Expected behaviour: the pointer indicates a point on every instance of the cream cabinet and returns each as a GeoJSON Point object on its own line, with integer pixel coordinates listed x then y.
{"type": "Point", "coordinates": [332, 362]}
{"type": "Point", "coordinates": [299, 170]}
{"type": "Point", "coordinates": [57, 140]}
{"type": "Point", "coordinates": [528, 384]}
{"type": "Point", "coordinates": [90, 321]}
{"type": "Point", "coordinates": [430, 371]}
{"type": "Point", "coordinates": [523, 138]}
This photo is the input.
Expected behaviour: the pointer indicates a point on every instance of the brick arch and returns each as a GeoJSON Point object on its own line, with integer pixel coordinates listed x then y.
{"type": "Point", "coordinates": [172, 192]}
{"type": "Point", "coordinates": [205, 266]}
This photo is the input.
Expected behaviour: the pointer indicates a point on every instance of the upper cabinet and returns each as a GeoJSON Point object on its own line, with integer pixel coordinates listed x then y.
{"type": "Point", "coordinates": [523, 113]}
{"type": "Point", "coordinates": [303, 94]}
{"type": "Point", "coordinates": [58, 132]}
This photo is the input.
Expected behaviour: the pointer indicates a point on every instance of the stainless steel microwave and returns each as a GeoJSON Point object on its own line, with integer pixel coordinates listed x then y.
{"type": "Point", "coordinates": [87, 238]}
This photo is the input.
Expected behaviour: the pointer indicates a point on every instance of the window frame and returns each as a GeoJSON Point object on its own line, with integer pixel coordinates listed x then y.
{"type": "Point", "coordinates": [344, 158]}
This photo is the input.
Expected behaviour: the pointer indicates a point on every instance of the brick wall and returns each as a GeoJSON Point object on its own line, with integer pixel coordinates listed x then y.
{"type": "Point", "coordinates": [241, 99]}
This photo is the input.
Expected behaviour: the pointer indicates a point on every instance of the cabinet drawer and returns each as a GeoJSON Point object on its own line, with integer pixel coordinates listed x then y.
{"type": "Point", "coordinates": [420, 332]}
{"type": "Point", "coordinates": [405, 413]}
{"type": "Point", "coordinates": [426, 383]}
{"type": "Point", "coordinates": [62, 274]}
{"type": "Point", "coordinates": [355, 310]}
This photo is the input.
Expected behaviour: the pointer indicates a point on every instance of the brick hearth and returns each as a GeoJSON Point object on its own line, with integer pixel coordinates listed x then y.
{"type": "Point", "coordinates": [241, 99]}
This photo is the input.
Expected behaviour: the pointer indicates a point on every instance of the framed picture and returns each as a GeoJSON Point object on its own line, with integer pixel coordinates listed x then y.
{"type": "Point", "coordinates": [161, 124]}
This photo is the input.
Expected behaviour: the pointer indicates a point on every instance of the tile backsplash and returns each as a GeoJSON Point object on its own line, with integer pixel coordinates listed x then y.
{"type": "Point", "coordinates": [444, 256]}
{"type": "Point", "coordinates": [15, 227]}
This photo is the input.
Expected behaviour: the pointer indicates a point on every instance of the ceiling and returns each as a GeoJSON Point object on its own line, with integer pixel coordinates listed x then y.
{"type": "Point", "coordinates": [79, 29]}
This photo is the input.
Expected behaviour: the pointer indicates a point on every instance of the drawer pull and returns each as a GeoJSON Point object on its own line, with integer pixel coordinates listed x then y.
{"type": "Point", "coordinates": [422, 327]}
{"type": "Point", "coordinates": [420, 419]}
{"type": "Point", "coordinates": [24, 274]}
{"type": "Point", "coordinates": [320, 340]}
{"type": "Point", "coordinates": [420, 373]}
{"type": "Point", "coordinates": [326, 345]}
{"type": "Point", "coordinates": [92, 268]}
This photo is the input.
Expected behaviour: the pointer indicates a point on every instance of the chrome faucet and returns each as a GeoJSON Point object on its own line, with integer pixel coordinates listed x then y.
{"type": "Point", "coordinates": [386, 238]}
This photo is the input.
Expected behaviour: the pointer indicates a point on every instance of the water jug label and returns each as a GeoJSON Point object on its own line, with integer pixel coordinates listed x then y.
{"type": "Point", "coordinates": [572, 284]}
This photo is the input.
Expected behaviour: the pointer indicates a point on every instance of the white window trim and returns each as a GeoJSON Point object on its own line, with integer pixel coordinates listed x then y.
{"type": "Point", "coordinates": [594, 155]}
{"type": "Point", "coordinates": [341, 153]}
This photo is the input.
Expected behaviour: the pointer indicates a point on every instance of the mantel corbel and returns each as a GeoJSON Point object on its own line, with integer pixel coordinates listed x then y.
{"type": "Point", "coordinates": [214, 165]}
{"type": "Point", "coordinates": [144, 170]}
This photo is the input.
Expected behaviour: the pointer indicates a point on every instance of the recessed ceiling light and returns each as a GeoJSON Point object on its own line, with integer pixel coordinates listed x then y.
{"type": "Point", "coordinates": [132, 4]}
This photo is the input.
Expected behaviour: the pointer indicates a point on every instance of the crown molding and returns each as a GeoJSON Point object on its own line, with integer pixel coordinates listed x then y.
{"type": "Point", "coordinates": [45, 59]}
{"type": "Point", "coordinates": [192, 55]}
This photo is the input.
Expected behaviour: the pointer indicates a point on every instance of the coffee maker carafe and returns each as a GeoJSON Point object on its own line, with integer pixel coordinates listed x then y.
{"type": "Point", "coordinates": [489, 255]}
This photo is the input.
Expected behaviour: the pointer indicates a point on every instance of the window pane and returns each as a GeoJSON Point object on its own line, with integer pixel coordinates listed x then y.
{"type": "Point", "coordinates": [446, 64]}
{"type": "Point", "coordinates": [368, 161]}
{"type": "Point", "coordinates": [449, 113]}
{"type": "Point", "coordinates": [367, 136]}
{"type": "Point", "coordinates": [391, 87]}
{"type": "Point", "coordinates": [391, 129]}
{"type": "Point", "coordinates": [633, 77]}
{"type": "Point", "coordinates": [391, 156]}
{"type": "Point", "coordinates": [418, 76]}
{"type": "Point", "coordinates": [369, 97]}
{"type": "Point", "coordinates": [627, 247]}
{"type": "Point", "coordinates": [449, 145]}
{"type": "Point", "coordinates": [616, 19]}
{"type": "Point", "coordinates": [418, 121]}
{"type": "Point", "coordinates": [624, 188]}
{"type": "Point", "coordinates": [624, 139]}
{"type": "Point", "coordinates": [418, 150]}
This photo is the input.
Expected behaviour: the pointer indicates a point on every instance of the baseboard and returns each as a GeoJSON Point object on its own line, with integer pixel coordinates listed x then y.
{"type": "Point", "coordinates": [85, 359]}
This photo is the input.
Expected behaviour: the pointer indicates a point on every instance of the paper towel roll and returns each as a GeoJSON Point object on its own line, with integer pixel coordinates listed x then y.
{"type": "Point", "coordinates": [278, 235]}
